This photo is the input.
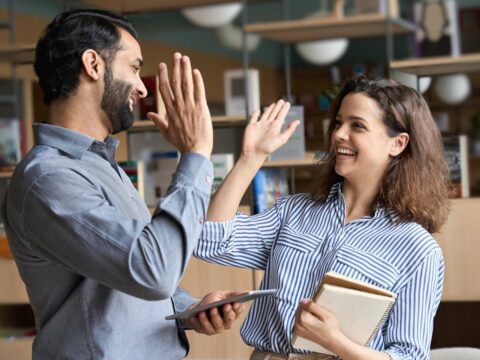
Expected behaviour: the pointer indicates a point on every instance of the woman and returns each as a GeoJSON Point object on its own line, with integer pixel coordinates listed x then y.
{"type": "Point", "coordinates": [382, 192]}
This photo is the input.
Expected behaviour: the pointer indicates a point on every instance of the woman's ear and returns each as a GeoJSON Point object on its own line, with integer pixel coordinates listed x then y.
{"type": "Point", "coordinates": [91, 61]}
{"type": "Point", "coordinates": [399, 144]}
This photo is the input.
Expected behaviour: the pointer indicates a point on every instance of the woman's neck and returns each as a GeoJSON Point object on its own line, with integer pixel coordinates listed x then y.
{"type": "Point", "coordinates": [359, 199]}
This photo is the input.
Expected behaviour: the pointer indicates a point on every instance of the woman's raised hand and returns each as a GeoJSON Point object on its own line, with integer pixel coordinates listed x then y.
{"type": "Point", "coordinates": [264, 135]}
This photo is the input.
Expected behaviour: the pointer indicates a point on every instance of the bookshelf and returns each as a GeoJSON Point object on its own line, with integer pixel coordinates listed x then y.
{"type": "Point", "coordinates": [5, 174]}
{"type": "Point", "coordinates": [17, 54]}
{"type": "Point", "coordinates": [439, 65]}
{"type": "Point", "coordinates": [151, 5]}
{"type": "Point", "coordinates": [217, 121]}
{"type": "Point", "coordinates": [354, 26]}
{"type": "Point", "coordinates": [309, 160]}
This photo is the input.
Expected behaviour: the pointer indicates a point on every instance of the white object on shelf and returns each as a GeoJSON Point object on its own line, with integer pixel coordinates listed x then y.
{"type": "Point", "coordinates": [322, 52]}
{"type": "Point", "coordinates": [231, 36]}
{"type": "Point", "coordinates": [452, 89]}
{"type": "Point", "coordinates": [235, 91]}
{"type": "Point", "coordinates": [212, 16]}
{"type": "Point", "coordinates": [412, 80]}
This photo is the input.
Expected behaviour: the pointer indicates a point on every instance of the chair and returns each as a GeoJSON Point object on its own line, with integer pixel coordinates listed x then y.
{"type": "Point", "coordinates": [455, 353]}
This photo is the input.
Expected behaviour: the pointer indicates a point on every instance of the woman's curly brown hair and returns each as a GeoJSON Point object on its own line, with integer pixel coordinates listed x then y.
{"type": "Point", "coordinates": [415, 184]}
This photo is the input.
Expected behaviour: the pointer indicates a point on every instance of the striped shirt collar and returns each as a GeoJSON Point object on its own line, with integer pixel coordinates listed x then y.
{"type": "Point", "coordinates": [336, 195]}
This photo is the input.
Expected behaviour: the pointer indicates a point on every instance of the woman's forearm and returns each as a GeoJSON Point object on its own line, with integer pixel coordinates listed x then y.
{"type": "Point", "coordinates": [225, 202]}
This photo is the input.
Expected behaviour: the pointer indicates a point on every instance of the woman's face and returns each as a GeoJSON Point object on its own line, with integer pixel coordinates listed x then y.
{"type": "Point", "coordinates": [362, 147]}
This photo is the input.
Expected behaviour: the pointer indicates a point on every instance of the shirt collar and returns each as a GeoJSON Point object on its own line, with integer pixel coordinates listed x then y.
{"type": "Point", "coordinates": [67, 140]}
{"type": "Point", "coordinates": [380, 211]}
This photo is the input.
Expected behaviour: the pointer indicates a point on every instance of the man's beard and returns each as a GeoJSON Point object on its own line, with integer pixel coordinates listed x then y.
{"type": "Point", "coordinates": [115, 102]}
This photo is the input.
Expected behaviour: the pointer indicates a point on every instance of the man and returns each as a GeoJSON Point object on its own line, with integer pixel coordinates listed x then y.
{"type": "Point", "coordinates": [101, 274]}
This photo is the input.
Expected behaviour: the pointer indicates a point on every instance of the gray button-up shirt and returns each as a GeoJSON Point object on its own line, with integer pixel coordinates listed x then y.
{"type": "Point", "coordinates": [100, 272]}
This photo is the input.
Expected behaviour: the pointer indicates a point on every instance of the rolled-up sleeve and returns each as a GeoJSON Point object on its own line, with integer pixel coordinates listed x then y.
{"type": "Point", "coordinates": [245, 241]}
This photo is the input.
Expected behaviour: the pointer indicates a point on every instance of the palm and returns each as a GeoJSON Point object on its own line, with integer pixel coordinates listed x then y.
{"type": "Point", "coordinates": [264, 136]}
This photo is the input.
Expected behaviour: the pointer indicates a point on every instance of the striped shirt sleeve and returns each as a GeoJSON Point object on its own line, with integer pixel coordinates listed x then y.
{"type": "Point", "coordinates": [245, 241]}
{"type": "Point", "coordinates": [410, 325]}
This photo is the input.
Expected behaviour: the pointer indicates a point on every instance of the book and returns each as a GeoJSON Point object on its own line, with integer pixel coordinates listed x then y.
{"type": "Point", "coordinates": [222, 164]}
{"type": "Point", "coordinates": [269, 184]}
{"type": "Point", "coordinates": [361, 309]}
{"type": "Point", "coordinates": [10, 143]}
{"type": "Point", "coordinates": [159, 173]}
{"type": "Point", "coordinates": [294, 149]}
{"type": "Point", "coordinates": [456, 154]}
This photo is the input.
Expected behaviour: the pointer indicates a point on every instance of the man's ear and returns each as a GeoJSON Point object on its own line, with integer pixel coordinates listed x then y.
{"type": "Point", "coordinates": [399, 144]}
{"type": "Point", "coordinates": [91, 61]}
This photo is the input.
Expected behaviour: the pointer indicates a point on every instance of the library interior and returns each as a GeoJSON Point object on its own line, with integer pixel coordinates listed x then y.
{"type": "Point", "coordinates": [252, 53]}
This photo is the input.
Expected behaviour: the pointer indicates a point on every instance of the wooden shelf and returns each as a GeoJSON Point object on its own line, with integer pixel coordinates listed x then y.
{"type": "Point", "coordinates": [18, 348]}
{"type": "Point", "coordinates": [218, 121]}
{"type": "Point", "coordinates": [12, 288]}
{"type": "Point", "coordinates": [355, 26]}
{"type": "Point", "coordinates": [439, 65]}
{"type": "Point", "coordinates": [18, 54]}
{"type": "Point", "coordinates": [309, 160]}
{"type": "Point", "coordinates": [5, 174]}
{"type": "Point", "coordinates": [460, 244]}
{"type": "Point", "coordinates": [149, 5]}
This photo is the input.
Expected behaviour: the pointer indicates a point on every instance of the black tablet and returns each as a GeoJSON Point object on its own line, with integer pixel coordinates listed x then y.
{"type": "Point", "coordinates": [247, 296]}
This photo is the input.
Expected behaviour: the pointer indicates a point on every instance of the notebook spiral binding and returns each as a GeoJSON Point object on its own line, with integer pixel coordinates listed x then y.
{"type": "Point", "coordinates": [380, 323]}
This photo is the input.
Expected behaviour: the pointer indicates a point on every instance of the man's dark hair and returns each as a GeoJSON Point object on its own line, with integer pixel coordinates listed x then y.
{"type": "Point", "coordinates": [58, 53]}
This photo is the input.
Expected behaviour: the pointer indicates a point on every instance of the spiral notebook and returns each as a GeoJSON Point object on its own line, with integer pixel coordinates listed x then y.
{"type": "Point", "coordinates": [361, 309]}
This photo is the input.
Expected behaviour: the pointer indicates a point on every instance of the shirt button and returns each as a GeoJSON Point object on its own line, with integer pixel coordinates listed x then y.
{"type": "Point", "coordinates": [200, 221]}
{"type": "Point", "coordinates": [330, 248]}
{"type": "Point", "coordinates": [208, 179]}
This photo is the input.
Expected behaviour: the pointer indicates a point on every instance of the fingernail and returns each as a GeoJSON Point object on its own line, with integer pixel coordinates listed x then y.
{"type": "Point", "coordinates": [305, 301]}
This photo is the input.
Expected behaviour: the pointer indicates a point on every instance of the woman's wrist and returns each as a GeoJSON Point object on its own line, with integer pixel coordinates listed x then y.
{"type": "Point", "coordinates": [252, 160]}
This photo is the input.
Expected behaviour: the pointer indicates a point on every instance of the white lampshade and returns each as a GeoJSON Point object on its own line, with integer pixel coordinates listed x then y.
{"type": "Point", "coordinates": [411, 80]}
{"type": "Point", "coordinates": [231, 36]}
{"type": "Point", "coordinates": [452, 89]}
{"type": "Point", "coordinates": [211, 16]}
{"type": "Point", "coordinates": [322, 52]}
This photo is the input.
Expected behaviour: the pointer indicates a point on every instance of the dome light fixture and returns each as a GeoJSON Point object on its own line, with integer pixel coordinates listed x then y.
{"type": "Point", "coordinates": [452, 89]}
{"type": "Point", "coordinates": [212, 16]}
{"type": "Point", "coordinates": [231, 36]}
{"type": "Point", "coordinates": [323, 52]}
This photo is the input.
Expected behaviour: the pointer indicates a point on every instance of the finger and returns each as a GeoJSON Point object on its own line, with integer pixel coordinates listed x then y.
{"type": "Point", "coordinates": [216, 320]}
{"type": "Point", "coordinates": [254, 117]}
{"type": "Point", "coordinates": [238, 308]}
{"type": "Point", "coordinates": [159, 121]}
{"type": "Point", "coordinates": [187, 81]}
{"type": "Point", "coordinates": [276, 109]}
{"type": "Point", "coordinates": [282, 113]}
{"type": "Point", "coordinates": [199, 88]}
{"type": "Point", "coordinates": [205, 323]}
{"type": "Point", "coordinates": [287, 134]}
{"type": "Point", "coordinates": [194, 323]}
{"type": "Point", "coordinates": [267, 112]}
{"type": "Point", "coordinates": [177, 79]}
{"type": "Point", "coordinates": [164, 86]}
{"type": "Point", "coordinates": [313, 309]}
{"type": "Point", "coordinates": [229, 316]}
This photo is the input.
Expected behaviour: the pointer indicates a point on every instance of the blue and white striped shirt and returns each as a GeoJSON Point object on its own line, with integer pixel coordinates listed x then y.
{"type": "Point", "coordinates": [299, 239]}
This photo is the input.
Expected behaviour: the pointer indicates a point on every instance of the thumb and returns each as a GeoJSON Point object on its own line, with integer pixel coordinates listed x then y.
{"type": "Point", "coordinates": [289, 130]}
{"type": "Point", "coordinates": [159, 122]}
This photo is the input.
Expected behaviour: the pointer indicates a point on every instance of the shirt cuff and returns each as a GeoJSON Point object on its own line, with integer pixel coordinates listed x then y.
{"type": "Point", "coordinates": [195, 170]}
{"type": "Point", "coordinates": [217, 230]}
